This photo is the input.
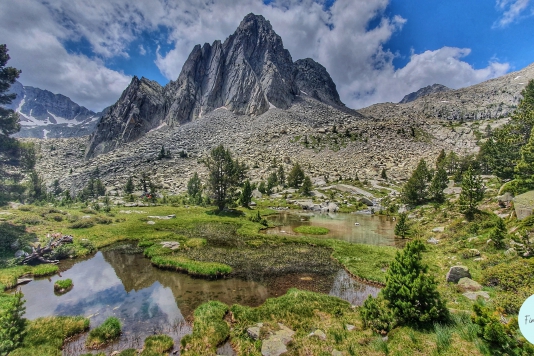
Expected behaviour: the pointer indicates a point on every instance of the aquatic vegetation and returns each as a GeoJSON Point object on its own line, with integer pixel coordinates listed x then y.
{"type": "Point", "coordinates": [63, 286]}
{"type": "Point", "coordinates": [46, 336]}
{"type": "Point", "coordinates": [311, 230]}
{"type": "Point", "coordinates": [209, 329]}
{"type": "Point", "coordinates": [158, 344]}
{"type": "Point", "coordinates": [194, 268]}
{"type": "Point", "coordinates": [101, 335]}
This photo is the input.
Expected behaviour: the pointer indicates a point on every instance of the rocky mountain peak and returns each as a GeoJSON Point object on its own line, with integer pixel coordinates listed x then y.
{"type": "Point", "coordinates": [247, 74]}
{"type": "Point", "coordinates": [430, 89]}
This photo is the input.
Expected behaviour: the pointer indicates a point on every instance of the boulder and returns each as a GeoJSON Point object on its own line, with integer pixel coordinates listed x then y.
{"type": "Point", "coordinates": [173, 245]}
{"type": "Point", "coordinates": [150, 222]}
{"type": "Point", "coordinates": [456, 273]}
{"type": "Point", "coordinates": [467, 284]}
{"type": "Point", "coordinates": [276, 343]}
{"type": "Point", "coordinates": [254, 331]}
{"type": "Point", "coordinates": [366, 201]}
{"type": "Point", "coordinates": [20, 253]}
{"type": "Point", "coordinates": [476, 295]}
{"type": "Point", "coordinates": [256, 194]}
{"type": "Point", "coordinates": [433, 241]}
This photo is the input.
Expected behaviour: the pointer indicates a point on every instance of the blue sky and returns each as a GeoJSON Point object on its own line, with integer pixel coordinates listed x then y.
{"type": "Point", "coordinates": [375, 50]}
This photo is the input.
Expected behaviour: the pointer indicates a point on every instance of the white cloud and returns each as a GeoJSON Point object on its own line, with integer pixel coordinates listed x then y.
{"type": "Point", "coordinates": [34, 42]}
{"type": "Point", "coordinates": [511, 11]}
{"type": "Point", "coordinates": [142, 50]}
{"type": "Point", "coordinates": [339, 38]}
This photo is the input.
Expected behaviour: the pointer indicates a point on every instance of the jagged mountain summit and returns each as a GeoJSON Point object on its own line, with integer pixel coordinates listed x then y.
{"type": "Point", "coordinates": [430, 89]}
{"type": "Point", "coordinates": [248, 74]}
{"type": "Point", "coordinates": [44, 114]}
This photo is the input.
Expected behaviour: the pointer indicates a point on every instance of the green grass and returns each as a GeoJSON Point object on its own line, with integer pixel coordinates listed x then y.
{"type": "Point", "coordinates": [311, 230]}
{"type": "Point", "coordinates": [46, 336]}
{"type": "Point", "coordinates": [209, 330]}
{"type": "Point", "coordinates": [103, 334]}
{"type": "Point", "coordinates": [195, 268]}
{"type": "Point", "coordinates": [63, 285]}
{"type": "Point", "coordinates": [44, 270]}
{"type": "Point", "coordinates": [157, 344]}
{"type": "Point", "coordinates": [9, 276]}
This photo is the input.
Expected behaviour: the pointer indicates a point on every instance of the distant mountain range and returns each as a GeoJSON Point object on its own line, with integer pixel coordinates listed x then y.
{"type": "Point", "coordinates": [44, 114]}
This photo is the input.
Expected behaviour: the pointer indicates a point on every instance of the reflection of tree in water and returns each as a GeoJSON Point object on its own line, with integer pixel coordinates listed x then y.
{"type": "Point", "coordinates": [134, 271]}
{"type": "Point", "coordinates": [350, 290]}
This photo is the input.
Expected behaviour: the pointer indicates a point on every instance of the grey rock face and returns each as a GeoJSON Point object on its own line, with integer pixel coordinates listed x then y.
{"type": "Point", "coordinates": [247, 75]}
{"type": "Point", "coordinates": [140, 108]}
{"type": "Point", "coordinates": [313, 79]}
{"type": "Point", "coordinates": [431, 89]}
{"type": "Point", "coordinates": [44, 114]}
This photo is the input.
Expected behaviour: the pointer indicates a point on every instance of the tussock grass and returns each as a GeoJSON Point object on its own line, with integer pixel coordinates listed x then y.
{"type": "Point", "coordinates": [103, 334]}
{"type": "Point", "coordinates": [194, 268]}
{"type": "Point", "coordinates": [157, 344]}
{"type": "Point", "coordinates": [63, 285]}
{"type": "Point", "coordinates": [311, 230]}
{"type": "Point", "coordinates": [9, 276]}
{"type": "Point", "coordinates": [209, 330]}
{"type": "Point", "coordinates": [46, 336]}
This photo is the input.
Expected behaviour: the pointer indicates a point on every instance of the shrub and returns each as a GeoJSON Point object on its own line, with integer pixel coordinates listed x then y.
{"type": "Point", "coordinates": [12, 324]}
{"type": "Point", "coordinates": [101, 335]}
{"type": "Point", "coordinates": [509, 276]}
{"type": "Point", "coordinates": [376, 315]}
{"type": "Point", "coordinates": [82, 224]}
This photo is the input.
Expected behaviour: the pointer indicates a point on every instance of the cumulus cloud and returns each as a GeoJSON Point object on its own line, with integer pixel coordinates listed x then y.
{"type": "Point", "coordinates": [34, 41]}
{"type": "Point", "coordinates": [348, 39]}
{"type": "Point", "coordinates": [511, 10]}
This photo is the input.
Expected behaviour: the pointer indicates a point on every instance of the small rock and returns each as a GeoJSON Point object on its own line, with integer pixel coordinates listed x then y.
{"type": "Point", "coordinates": [475, 295]}
{"type": "Point", "coordinates": [433, 241]}
{"type": "Point", "coordinates": [275, 344]}
{"type": "Point", "coordinates": [254, 331]}
{"type": "Point", "coordinates": [23, 281]}
{"type": "Point", "coordinates": [173, 245]}
{"type": "Point", "coordinates": [150, 222]}
{"type": "Point", "coordinates": [510, 252]}
{"type": "Point", "coordinates": [115, 353]}
{"type": "Point", "coordinates": [438, 229]}
{"type": "Point", "coordinates": [467, 284]}
{"type": "Point", "coordinates": [318, 333]}
{"type": "Point", "coordinates": [336, 353]}
{"type": "Point", "coordinates": [457, 272]}
{"type": "Point", "coordinates": [20, 253]}
{"type": "Point", "coordinates": [349, 327]}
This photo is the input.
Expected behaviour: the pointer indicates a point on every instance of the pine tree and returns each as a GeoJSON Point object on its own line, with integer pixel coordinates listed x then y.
{"type": "Point", "coordinates": [441, 160]}
{"type": "Point", "coordinates": [12, 324]}
{"type": "Point", "coordinates": [295, 177]}
{"type": "Point", "coordinates": [410, 290]}
{"type": "Point", "coordinates": [498, 234]}
{"type": "Point", "coordinates": [401, 228]}
{"type": "Point", "coordinates": [437, 185]}
{"type": "Point", "coordinates": [524, 170]}
{"type": "Point", "coordinates": [129, 187]}
{"type": "Point", "coordinates": [383, 175]}
{"type": "Point", "coordinates": [9, 124]}
{"type": "Point", "coordinates": [414, 191]}
{"type": "Point", "coordinates": [145, 181]}
{"type": "Point", "coordinates": [225, 175]}
{"type": "Point", "coordinates": [246, 194]}
{"type": "Point", "coordinates": [194, 189]}
{"type": "Point", "coordinates": [36, 187]}
{"type": "Point", "coordinates": [306, 187]}
{"type": "Point", "coordinates": [472, 193]}
{"type": "Point", "coordinates": [281, 176]}
{"type": "Point", "coordinates": [272, 181]}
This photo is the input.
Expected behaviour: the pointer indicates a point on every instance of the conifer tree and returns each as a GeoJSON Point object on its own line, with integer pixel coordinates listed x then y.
{"type": "Point", "coordinates": [194, 189]}
{"type": "Point", "coordinates": [9, 124]}
{"type": "Point", "coordinates": [281, 176]}
{"type": "Point", "coordinates": [472, 193]}
{"type": "Point", "coordinates": [306, 187]}
{"type": "Point", "coordinates": [415, 190]}
{"type": "Point", "coordinates": [441, 160]}
{"type": "Point", "coordinates": [524, 170]}
{"type": "Point", "coordinates": [272, 181]}
{"type": "Point", "coordinates": [12, 324]}
{"type": "Point", "coordinates": [401, 228]}
{"type": "Point", "coordinates": [129, 187]}
{"type": "Point", "coordinates": [383, 174]}
{"type": "Point", "coordinates": [498, 234]}
{"type": "Point", "coordinates": [437, 185]}
{"type": "Point", "coordinates": [410, 290]}
{"type": "Point", "coordinates": [246, 194]}
{"type": "Point", "coordinates": [295, 177]}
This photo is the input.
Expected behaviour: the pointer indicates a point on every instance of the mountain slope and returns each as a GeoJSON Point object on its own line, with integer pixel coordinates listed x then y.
{"type": "Point", "coordinates": [430, 89]}
{"type": "Point", "coordinates": [44, 114]}
{"type": "Point", "coordinates": [249, 74]}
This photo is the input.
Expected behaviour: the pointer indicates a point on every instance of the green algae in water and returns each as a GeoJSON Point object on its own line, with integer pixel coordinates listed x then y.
{"type": "Point", "coordinates": [311, 230]}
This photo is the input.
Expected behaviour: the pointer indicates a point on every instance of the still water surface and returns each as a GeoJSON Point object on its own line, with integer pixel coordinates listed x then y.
{"type": "Point", "coordinates": [149, 300]}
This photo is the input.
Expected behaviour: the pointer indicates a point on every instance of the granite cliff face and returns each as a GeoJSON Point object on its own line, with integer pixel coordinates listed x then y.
{"type": "Point", "coordinates": [44, 114]}
{"type": "Point", "coordinates": [248, 74]}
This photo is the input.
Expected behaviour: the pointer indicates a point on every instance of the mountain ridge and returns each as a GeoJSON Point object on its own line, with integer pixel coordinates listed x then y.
{"type": "Point", "coordinates": [248, 74]}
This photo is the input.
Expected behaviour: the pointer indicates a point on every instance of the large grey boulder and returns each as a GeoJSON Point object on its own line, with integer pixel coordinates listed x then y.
{"type": "Point", "coordinates": [456, 273]}
{"type": "Point", "coordinates": [276, 343]}
{"type": "Point", "coordinates": [467, 284]}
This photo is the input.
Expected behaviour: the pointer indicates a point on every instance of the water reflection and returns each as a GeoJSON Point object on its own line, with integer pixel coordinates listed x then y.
{"type": "Point", "coordinates": [353, 228]}
{"type": "Point", "coordinates": [148, 300]}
